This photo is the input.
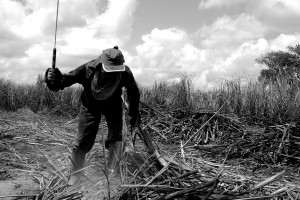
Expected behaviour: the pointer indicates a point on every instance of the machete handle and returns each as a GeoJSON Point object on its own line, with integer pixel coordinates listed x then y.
{"type": "Point", "coordinates": [54, 58]}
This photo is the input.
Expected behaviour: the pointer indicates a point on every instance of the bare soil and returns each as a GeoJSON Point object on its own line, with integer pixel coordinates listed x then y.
{"type": "Point", "coordinates": [35, 150]}
{"type": "Point", "coordinates": [34, 162]}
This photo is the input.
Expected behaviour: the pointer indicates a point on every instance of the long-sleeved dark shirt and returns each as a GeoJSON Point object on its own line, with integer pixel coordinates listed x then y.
{"type": "Point", "coordinates": [108, 84]}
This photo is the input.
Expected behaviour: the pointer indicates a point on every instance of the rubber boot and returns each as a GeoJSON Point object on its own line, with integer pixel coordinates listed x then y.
{"type": "Point", "coordinates": [77, 163]}
{"type": "Point", "coordinates": [114, 156]}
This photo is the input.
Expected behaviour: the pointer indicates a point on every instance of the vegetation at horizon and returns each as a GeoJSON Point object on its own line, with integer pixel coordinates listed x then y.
{"type": "Point", "coordinates": [277, 101]}
{"type": "Point", "coordinates": [272, 98]}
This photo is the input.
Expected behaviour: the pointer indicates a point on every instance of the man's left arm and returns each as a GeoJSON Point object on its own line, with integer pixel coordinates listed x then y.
{"type": "Point", "coordinates": [133, 95]}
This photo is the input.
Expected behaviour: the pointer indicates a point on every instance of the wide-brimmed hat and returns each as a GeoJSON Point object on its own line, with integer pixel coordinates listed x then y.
{"type": "Point", "coordinates": [112, 60]}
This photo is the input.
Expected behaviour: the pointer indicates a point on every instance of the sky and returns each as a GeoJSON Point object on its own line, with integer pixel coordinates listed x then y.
{"type": "Point", "coordinates": [209, 40]}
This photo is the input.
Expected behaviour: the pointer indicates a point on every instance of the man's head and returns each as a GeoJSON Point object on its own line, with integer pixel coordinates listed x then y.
{"type": "Point", "coordinates": [112, 60]}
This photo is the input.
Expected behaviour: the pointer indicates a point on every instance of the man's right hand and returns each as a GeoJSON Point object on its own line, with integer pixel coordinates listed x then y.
{"type": "Point", "coordinates": [53, 79]}
{"type": "Point", "coordinates": [135, 119]}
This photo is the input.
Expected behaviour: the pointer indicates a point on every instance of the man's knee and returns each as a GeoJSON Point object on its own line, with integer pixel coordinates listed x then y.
{"type": "Point", "coordinates": [87, 130]}
{"type": "Point", "coordinates": [108, 141]}
{"type": "Point", "coordinates": [77, 148]}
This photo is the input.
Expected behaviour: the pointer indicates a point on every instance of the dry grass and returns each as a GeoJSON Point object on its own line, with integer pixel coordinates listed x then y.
{"type": "Point", "coordinates": [238, 141]}
{"type": "Point", "coordinates": [267, 102]}
{"type": "Point", "coordinates": [212, 156]}
{"type": "Point", "coordinates": [38, 98]}
{"type": "Point", "coordinates": [40, 146]}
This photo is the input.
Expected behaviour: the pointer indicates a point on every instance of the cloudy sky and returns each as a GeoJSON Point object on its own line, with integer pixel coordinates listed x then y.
{"type": "Point", "coordinates": [160, 39]}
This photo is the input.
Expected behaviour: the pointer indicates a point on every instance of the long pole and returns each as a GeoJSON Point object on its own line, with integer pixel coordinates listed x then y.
{"type": "Point", "coordinates": [54, 49]}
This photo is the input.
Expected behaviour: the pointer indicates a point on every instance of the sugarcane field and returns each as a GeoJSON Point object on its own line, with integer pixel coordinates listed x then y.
{"type": "Point", "coordinates": [235, 142]}
{"type": "Point", "coordinates": [149, 100]}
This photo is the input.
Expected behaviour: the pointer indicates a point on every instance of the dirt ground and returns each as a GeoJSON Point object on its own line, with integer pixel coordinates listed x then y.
{"type": "Point", "coordinates": [14, 179]}
{"type": "Point", "coordinates": [34, 151]}
{"type": "Point", "coordinates": [34, 160]}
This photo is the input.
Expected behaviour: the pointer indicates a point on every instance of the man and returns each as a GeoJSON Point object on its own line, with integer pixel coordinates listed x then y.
{"type": "Point", "coordinates": [102, 80]}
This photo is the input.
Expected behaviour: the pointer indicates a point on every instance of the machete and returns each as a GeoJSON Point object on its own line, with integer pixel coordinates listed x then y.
{"type": "Point", "coordinates": [54, 49]}
{"type": "Point", "coordinates": [144, 137]}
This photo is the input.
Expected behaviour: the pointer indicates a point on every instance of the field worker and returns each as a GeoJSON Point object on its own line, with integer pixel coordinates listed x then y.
{"type": "Point", "coordinates": [102, 80]}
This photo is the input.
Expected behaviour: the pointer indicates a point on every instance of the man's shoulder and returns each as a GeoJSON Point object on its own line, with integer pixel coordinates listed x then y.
{"type": "Point", "coordinates": [91, 67]}
{"type": "Point", "coordinates": [94, 63]}
{"type": "Point", "coordinates": [127, 70]}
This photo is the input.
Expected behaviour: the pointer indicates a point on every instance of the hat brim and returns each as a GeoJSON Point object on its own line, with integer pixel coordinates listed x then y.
{"type": "Point", "coordinates": [113, 68]}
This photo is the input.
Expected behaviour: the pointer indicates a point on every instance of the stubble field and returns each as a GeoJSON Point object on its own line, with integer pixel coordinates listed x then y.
{"type": "Point", "coordinates": [236, 142]}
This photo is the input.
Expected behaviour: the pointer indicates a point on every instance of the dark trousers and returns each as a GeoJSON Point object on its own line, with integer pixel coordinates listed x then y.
{"type": "Point", "coordinates": [89, 119]}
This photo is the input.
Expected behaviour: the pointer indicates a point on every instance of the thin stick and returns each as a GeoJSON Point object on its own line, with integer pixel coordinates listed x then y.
{"type": "Point", "coordinates": [19, 195]}
{"type": "Point", "coordinates": [56, 23]}
{"type": "Point", "coordinates": [186, 191]}
{"type": "Point", "coordinates": [150, 186]}
{"type": "Point", "coordinates": [105, 172]}
{"type": "Point", "coordinates": [197, 132]}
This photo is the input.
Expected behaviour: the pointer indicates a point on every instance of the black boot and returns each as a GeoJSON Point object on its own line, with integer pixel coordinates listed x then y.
{"type": "Point", "coordinates": [77, 163]}
{"type": "Point", "coordinates": [114, 157]}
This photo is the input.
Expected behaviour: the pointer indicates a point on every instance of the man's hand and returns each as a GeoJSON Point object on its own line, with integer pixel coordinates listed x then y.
{"type": "Point", "coordinates": [135, 119]}
{"type": "Point", "coordinates": [53, 79]}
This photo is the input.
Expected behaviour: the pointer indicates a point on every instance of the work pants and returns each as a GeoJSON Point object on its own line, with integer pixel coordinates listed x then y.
{"type": "Point", "coordinates": [89, 119]}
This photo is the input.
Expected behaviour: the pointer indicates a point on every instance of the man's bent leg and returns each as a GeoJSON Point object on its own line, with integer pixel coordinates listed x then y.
{"type": "Point", "coordinates": [87, 130]}
{"type": "Point", "coordinates": [114, 119]}
{"type": "Point", "coordinates": [114, 138]}
{"type": "Point", "coordinates": [114, 157]}
{"type": "Point", "coordinates": [77, 163]}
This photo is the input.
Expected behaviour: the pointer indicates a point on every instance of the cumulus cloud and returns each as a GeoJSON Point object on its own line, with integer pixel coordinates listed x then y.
{"type": "Point", "coordinates": [280, 5]}
{"type": "Point", "coordinates": [164, 55]}
{"type": "Point", "coordinates": [241, 62]}
{"type": "Point", "coordinates": [227, 33]}
{"type": "Point", "coordinates": [277, 15]}
{"type": "Point", "coordinates": [84, 30]}
{"type": "Point", "coordinates": [207, 4]}
{"type": "Point", "coordinates": [225, 49]}
{"type": "Point", "coordinates": [284, 40]}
